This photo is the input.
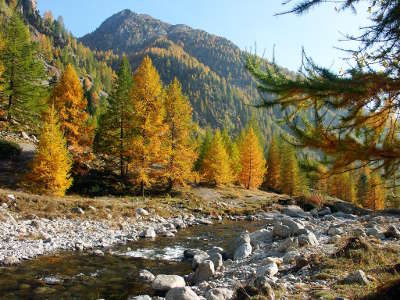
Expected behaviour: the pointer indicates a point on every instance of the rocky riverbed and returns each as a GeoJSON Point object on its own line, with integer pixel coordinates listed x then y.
{"type": "Point", "coordinates": [280, 259]}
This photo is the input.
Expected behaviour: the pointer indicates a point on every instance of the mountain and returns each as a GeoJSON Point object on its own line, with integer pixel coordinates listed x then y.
{"type": "Point", "coordinates": [211, 68]}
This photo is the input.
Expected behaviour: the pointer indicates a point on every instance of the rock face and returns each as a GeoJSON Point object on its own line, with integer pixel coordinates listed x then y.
{"type": "Point", "coordinates": [204, 271]}
{"type": "Point", "coordinates": [167, 282]}
{"type": "Point", "coordinates": [219, 294]}
{"type": "Point", "coordinates": [183, 293]}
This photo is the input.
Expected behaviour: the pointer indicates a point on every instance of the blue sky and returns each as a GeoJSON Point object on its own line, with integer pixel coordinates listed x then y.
{"type": "Point", "coordinates": [243, 22]}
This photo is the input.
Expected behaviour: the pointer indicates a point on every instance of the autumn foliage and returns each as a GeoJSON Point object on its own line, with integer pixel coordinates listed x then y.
{"type": "Point", "coordinates": [252, 161]}
{"type": "Point", "coordinates": [216, 167]}
{"type": "Point", "coordinates": [51, 166]}
{"type": "Point", "coordinates": [148, 151]}
{"type": "Point", "coordinates": [178, 117]}
{"type": "Point", "coordinates": [70, 104]}
{"type": "Point", "coordinates": [273, 176]}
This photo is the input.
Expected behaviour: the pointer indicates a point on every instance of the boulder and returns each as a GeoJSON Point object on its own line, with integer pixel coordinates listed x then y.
{"type": "Point", "coordinates": [182, 293]}
{"type": "Point", "coordinates": [281, 231]}
{"type": "Point", "coordinates": [216, 258]}
{"type": "Point", "coordinates": [244, 237]}
{"type": "Point", "coordinates": [376, 232]}
{"type": "Point", "coordinates": [308, 238]}
{"type": "Point", "coordinates": [268, 270]}
{"type": "Point", "coordinates": [262, 236]}
{"type": "Point", "coordinates": [295, 226]}
{"type": "Point", "coordinates": [324, 211]}
{"type": "Point", "coordinates": [164, 283]}
{"type": "Point", "coordinates": [78, 210]}
{"type": "Point", "coordinates": [219, 294]}
{"type": "Point", "coordinates": [146, 276]}
{"type": "Point", "coordinates": [335, 231]}
{"type": "Point", "coordinates": [291, 243]}
{"type": "Point", "coordinates": [142, 212]}
{"type": "Point", "coordinates": [148, 232]}
{"type": "Point", "coordinates": [243, 251]}
{"type": "Point", "coordinates": [392, 232]}
{"type": "Point", "coordinates": [357, 277]}
{"type": "Point", "coordinates": [199, 258]}
{"type": "Point", "coordinates": [204, 271]}
{"type": "Point", "coordinates": [295, 211]}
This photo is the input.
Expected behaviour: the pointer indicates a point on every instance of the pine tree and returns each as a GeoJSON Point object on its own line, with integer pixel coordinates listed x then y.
{"type": "Point", "coordinates": [51, 166]}
{"type": "Point", "coordinates": [233, 152]}
{"type": "Point", "coordinates": [216, 167]}
{"type": "Point", "coordinates": [273, 167]}
{"type": "Point", "coordinates": [204, 148]}
{"type": "Point", "coordinates": [70, 103]}
{"type": "Point", "coordinates": [252, 161]}
{"type": "Point", "coordinates": [148, 151]}
{"type": "Point", "coordinates": [179, 120]}
{"type": "Point", "coordinates": [290, 182]}
{"type": "Point", "coordinates": [23, 75]}
{"type": "Point", "coordinates": [115, 126]}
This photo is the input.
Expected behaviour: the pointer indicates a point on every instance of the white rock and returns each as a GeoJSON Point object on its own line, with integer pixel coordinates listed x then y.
{"type": "Point", "coordinates": [167, 282]}
{"type": "Point", "coordinates": [357, 277]}
{"type": "Point", "coordinates": [243, 251]}
{"type": "Point", "coordinates": [269, 270]}
{"type": "Point", "coordinates": [204, 271]}
{"type": "Point", "coordinates": [182, 293]}
{"type": "Point", "coordinates": [146, 276]}
{"type": "Point", "coordinates": [308, 239]}
{"type": "Point", "coordinates": [148, 232]}
{"type": "Point", "coordinates": [142, 212]}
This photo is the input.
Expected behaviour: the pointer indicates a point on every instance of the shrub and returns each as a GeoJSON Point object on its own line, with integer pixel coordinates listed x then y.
{"type": "Point", "coordinates": [9, 150]}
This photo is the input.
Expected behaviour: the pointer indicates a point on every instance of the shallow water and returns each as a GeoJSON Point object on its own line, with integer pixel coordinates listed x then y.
{"type": "Point", "coordinates": [83, 276]}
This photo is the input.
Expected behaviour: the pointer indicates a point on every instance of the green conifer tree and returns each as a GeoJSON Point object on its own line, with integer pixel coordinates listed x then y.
{"type": "Point", "coordinates": [24, 73]}
{"type": "Point", "coordinates": [115, 125]}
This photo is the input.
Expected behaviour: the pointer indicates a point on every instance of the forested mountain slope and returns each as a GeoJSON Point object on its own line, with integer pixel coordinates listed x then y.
{"type": "Point", "coordinates": [211, 68]}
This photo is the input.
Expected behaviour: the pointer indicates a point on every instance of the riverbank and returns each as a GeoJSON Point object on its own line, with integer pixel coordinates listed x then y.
{"type": "Point", "coordinates": [32, 225]}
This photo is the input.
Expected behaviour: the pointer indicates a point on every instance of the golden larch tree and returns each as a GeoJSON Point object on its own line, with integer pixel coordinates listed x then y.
{"type": "Point", "coordinates": [252, 161]}
{"type": "Point", "coordinates": [216, 167]}
{"type": "Point", "coordinates": [149, 149]}
{"type": "Point", "coordinates": [181, 149]}
{"type": "Point", "coordinates": [273, 175]}
{"type": "Point", "coordinates": [52, 163]}
{"type": "Point", "coordinates": [375, 198]}
{"type": "Point", "coordinates": [68, 99]}
{"type": "Point", "coordinates": [232, 149]}
{"type": "Point", "coordinates": [290, 178]}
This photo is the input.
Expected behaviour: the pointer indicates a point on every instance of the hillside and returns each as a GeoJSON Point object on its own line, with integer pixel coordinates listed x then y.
{"type": "Point", "coordinates": [211, 68]}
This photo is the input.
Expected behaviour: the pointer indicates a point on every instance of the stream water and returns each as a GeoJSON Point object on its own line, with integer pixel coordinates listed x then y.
{"type": "Point", "coordinates": [73, 275]}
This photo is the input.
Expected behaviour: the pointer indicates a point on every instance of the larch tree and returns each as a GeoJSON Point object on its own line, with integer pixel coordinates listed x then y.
{"type": "Point", "coordinates": [52, 163]}
{"type": "Point", "coordinates": [178, 116]}
{"type": "Point", "coordinates": [24, 74]}
{"type": "Point", "coordinates": [68, 99]}
{"type": "Point", "coordinates": [252, 161]}
{"type": "Point", "coordinates": [115, 131]}
{"type": "Point", "coordinates": [273, 175]}
{"type": "Point", "coordinates": [232, 149]}
{"type": "Point", "coordinates": [290, 177]}
{"type": "Point", "coordinates": [328, 111]}
{"type": "Point", "coordinates": [376, 193]}
{"type": "Point", "coordinates": [216, 167]}
{"type": "Point", "coordinates": [342, 187]}
{"type": "Point", "coordinates": [149, 149]}
{"type": "Point", "coordinates": [362, 186]}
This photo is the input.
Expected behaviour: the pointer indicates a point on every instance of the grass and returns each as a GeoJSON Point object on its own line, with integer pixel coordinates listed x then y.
{"type": "Point", "coordinates": [375, 259]}
{"type": "Point", "coordinates": [212, 202]}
